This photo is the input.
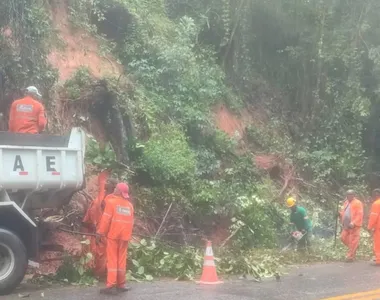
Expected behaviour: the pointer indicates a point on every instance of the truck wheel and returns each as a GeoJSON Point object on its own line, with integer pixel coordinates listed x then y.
{"type": "Point", "coordinates": [13, 261]}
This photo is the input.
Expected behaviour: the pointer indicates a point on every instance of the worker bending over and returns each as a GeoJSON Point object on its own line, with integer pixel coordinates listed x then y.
{"type": "Point", "coordinates": [27, 115]}
{"type": "Point", "coordinates": [117, 225]}
{"type": "Point", "coordinates": [299, 218]}
{"type": "Point", "coordinates": [374, 225]}
{"type": "Point", "coordinates": [352, 220]}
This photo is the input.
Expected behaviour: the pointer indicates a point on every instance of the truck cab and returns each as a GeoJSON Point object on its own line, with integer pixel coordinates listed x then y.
{"type": "Point", "coordinates": [36, 171]}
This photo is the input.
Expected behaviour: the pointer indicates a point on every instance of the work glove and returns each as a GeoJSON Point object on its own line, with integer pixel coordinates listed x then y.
{"type": "Point", "coordinates": [351, 226]}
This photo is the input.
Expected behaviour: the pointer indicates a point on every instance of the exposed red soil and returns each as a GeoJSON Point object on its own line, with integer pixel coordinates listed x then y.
{"type": "Point", "coordinates": [51, 260]}
{"type": "Point", "coordinates": [266, 162]}
{"type": "Point", "coordinates": [71, 244]}
{"type": "Point", "coordinates": [229, 122]}
{"type": "Point", "coordinates": [80, 49]}
{"type": "Point", "coordinates": [236, 123]}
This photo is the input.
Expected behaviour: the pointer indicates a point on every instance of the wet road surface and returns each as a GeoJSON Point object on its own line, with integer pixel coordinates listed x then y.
{"type": "Point", "coordinates": [322, 281]}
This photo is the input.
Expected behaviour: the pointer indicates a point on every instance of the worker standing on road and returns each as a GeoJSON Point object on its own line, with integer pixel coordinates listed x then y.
{"type": "Point", "coordinates": [117, 225]}
{"type": "Point", "coordinates": [27, 115]}
{"type": "Point", "coordinates": [352, 221]}
{"type": "Point", "coordinates": [300, 219]}
{"type": "Point", "coordinates": [374, 224]}
{"type": "Point", "coordinates": [91, 221]}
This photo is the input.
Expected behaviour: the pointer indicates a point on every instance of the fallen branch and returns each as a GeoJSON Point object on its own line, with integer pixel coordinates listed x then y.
{"type": "Point", "coordinates": [53, 219]}
{"type": "Point", "coordinates": [231, 236]}
{"type": "Point", "coordinates": [74, 211]}
{"type": "Point", "coordinates": [305, 183]}
{"type": "Point", "coordinates": [53, 259]}
{"type": "Point", "coordinates": [77, 232]}
{"type": "Point", "coordinates": [287, 178]}
{"type": "Point", "coordinates": [163, 221]}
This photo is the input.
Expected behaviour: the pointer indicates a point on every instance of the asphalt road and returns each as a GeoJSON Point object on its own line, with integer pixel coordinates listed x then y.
{"type": "Point", "coordinates": [303, 283]}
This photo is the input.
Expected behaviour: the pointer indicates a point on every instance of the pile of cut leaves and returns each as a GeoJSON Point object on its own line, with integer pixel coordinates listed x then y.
{"type": "Point", "coordinates": [150, 259]}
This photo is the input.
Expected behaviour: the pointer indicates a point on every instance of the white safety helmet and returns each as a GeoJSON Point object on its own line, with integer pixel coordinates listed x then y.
{"type": "Point", "coordinates": [33, 90]}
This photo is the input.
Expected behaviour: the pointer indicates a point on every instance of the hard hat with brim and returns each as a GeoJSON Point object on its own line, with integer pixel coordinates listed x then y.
{"type": "Point", "coordinates": [33, 90]}
{"type": "Point", "coordinates": [290, 202]}
{"type": "Point", "coordinates": [123, 189]}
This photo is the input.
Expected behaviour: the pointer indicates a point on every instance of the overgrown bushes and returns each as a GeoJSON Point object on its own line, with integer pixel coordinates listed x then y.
{"type": "Point", "coordinates": [167, 157]}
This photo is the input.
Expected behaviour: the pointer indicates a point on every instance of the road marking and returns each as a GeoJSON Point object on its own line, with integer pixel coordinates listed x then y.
{"type": "Point", "coordinates": [370, 295]}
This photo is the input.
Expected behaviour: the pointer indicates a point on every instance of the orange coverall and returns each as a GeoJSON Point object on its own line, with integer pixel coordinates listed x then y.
{"type": "Point", "coordinates": [374, 224]}
{"type": "Point", "coordinates": [27, 116]}
{"type": "Point", "coordinates": [117, 225]}
{"type": "Point", "coordinates": [351, 236]}
{"type": "Point", "coordinates": [92, 218]}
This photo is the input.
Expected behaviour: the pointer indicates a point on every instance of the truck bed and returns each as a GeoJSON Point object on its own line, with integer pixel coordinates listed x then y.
{"type": "Point", "coordinates": [41, 170]}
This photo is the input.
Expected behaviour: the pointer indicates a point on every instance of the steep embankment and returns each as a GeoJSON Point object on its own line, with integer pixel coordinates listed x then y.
{"type": "Point", "coordinates": [78, 49]}
{"type": "Point", "coordinates": [166, 74]}
{"type": "Point", "coordinates": [226, 109]}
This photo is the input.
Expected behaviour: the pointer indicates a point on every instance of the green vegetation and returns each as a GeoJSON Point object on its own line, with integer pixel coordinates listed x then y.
{"type": "Point", "coordinates": [167, 156]}
{"type": "Point", "coordinates": [24, 40]}
{"type": "Point", "coordinates": [75, 85]}
{"type": "Point", "coordinates": [152, 259]}
{"type": "Point", "coordinates": [310, 69]}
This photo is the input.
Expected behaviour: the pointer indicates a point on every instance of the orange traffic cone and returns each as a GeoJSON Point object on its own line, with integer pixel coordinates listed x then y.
{"type": "Point", "coordinates": [209, 275]}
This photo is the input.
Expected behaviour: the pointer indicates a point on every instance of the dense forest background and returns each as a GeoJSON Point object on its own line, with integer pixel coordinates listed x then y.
{"type": "Point", "coordinates": [297, 79]}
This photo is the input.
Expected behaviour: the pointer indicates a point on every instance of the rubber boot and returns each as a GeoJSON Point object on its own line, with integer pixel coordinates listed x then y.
{"type": "Point", "coordinates": [124, 289]}
{"type": "Point", "coordinates": [109, 291]}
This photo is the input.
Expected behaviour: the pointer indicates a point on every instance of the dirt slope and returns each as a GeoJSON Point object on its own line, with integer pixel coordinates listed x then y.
{"type": "Point", "coordinates": [80, 49]}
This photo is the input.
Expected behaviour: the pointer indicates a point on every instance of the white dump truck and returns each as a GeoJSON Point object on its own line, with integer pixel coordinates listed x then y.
{"type": "Point", "coordinates": [36, 171]}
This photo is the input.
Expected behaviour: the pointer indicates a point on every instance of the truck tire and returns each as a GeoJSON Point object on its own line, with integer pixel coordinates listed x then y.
{"type": "Point", "coordinates": [13, 261]}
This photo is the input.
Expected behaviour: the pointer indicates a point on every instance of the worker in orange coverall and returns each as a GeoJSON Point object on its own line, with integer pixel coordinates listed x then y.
{"type": "Point", "coordinates": [27, 115]}
{"type": "Point", "coordinates": [117, 225]}
{"type": "Point", "coordinates": [91, 220]}
{"type": "Point", "coordinates": [352, 220]}
{"type": "Point", "coordinates": [374, 225]}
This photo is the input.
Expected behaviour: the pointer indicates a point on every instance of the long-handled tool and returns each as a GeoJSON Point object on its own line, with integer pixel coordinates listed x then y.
{"type": "Point", "coordinates": [336, 214]}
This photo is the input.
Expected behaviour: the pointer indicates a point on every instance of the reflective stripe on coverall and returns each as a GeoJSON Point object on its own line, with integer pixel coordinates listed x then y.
{"type": "Point", "coordinates": [27, 116]}
{"type": "Point", "coordinates": [351, 236]}
{"type": "Point", "coordinates": [374, 224]}
{"type": "Point", "coordinates": [92, 218]}
{"type": "Point", "coordinates": [117, 224]}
